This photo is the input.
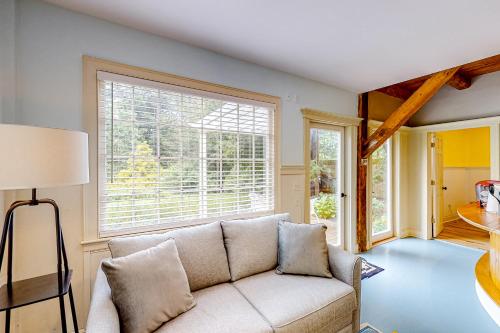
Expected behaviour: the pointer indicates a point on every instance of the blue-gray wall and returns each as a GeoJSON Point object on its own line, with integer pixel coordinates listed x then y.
{"type": "Point", "coordinates": [7, 63]}
{"type": "Point", "coordinates": [50, 42]}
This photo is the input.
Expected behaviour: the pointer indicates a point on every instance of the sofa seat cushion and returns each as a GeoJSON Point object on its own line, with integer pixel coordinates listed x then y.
{"type": "Point", "coordinates": [219, 309]}
{"type": "Point", "coordinates": [296, 303]}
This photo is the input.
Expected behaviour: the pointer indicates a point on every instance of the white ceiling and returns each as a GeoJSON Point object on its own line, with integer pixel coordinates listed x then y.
{"type": "Point", "coordinates": [352, 44]}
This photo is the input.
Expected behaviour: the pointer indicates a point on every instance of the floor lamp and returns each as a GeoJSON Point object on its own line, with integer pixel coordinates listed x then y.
{"type": "Point", "coordinates": [35, 157]}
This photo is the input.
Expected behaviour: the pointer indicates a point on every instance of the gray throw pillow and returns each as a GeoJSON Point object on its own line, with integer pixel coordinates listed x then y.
{"type": "Point", "coordinates": [303, 249]}
{"type": "Point", "coordinates": [252, 245]}
{"type": "Point", "coordinates": [148, 288]}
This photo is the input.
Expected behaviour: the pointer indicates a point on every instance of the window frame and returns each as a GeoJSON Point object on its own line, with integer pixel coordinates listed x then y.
{"type": "Point", "coordinates": [91, 67]}
{"type": "Point", "coordinates": [383, 235]}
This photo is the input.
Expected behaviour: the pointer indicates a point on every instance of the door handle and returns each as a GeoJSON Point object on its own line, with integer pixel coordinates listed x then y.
{"type": "Point", "coordinates": [343, 195]}
{"type": "Point", "coordinates": [444, 188]}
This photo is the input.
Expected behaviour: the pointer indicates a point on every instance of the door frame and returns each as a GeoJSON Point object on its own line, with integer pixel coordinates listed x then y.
{"type": "Point", "coordinates": [420, 137]}
{"type": "Point", "coordinates": [390, 197]}
{"type": "Point", "coordinates": [341, 174]}
{"type": "Point", "coordinates": [436, 183]}
{"type": "Point", "coordinates": [350, 125]}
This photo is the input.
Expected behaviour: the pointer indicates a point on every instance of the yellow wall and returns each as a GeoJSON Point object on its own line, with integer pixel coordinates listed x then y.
{"type": "Point", "coordinates": [466, 148]}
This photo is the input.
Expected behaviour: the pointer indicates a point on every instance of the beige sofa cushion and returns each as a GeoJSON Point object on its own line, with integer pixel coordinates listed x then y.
{"type": "Point", "coordinates": [220, 309]}
{"type": "Point", "coordinates": [123, 246]}
{"type": "Point", "coordinates": [252, 245]}
{"type": "Point", "coordinates": [201, 250]}
{"type": "Point", "coordinates": [149, 287]}
{"type": "Point", "coordinates": [295, 303]}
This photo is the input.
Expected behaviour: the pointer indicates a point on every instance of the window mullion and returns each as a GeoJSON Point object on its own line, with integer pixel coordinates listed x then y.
{"type": "Point", "coordinates": [254, 154]}
{"type": "Point", "coordinates": [220, 158]}
{"type": "Point", "coordinates": [238, 190]}
{"type": "Point", "coordinates": [158, 157]}
{"type": "Point", "coordinates": [134, 220]}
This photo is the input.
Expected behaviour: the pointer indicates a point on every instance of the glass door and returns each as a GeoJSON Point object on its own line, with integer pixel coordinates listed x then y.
{"type": "Point", "coordinates": [380, 199]}
{"type": "Point", "coordinates": [326, 181]}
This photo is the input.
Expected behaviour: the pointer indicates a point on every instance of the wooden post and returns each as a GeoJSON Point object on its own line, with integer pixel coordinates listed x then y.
{"type": "Point", "coordinates": [362, 173]}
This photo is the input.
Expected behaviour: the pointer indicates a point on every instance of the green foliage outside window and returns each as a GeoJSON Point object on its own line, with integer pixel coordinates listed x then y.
{"type": "Point", "coordinates": [379, 189]}
{"type": "Point", "coordinates": [324, 206]}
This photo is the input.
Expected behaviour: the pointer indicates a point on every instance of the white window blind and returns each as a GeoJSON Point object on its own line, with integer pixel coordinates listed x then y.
{"type": "Point", "coordinates": [170, 155]}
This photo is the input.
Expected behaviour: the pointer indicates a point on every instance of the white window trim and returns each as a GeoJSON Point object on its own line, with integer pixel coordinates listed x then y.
{"type": "Point", "coordinates": [91, 67]}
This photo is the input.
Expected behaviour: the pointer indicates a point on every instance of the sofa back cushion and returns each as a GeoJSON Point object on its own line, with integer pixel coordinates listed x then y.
{"type": "Point", "coordinates": [122, 247]}
{"type": "Point", "coordinates": [201, 250]}
{"type": "Point", "coordinates": [252, 245]}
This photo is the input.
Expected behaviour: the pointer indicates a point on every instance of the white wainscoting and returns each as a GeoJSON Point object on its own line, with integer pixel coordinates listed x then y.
{"type": "Point", "coordinates": [292, 191]}
{"type": "Point", "coordinates": [460, 188]}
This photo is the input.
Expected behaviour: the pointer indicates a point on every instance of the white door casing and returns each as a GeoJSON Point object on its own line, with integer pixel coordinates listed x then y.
{"type": "Point", "coordinates": [436, 147]}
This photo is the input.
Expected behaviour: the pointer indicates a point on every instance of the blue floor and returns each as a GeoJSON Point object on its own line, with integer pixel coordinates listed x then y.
{"type": "Point", "coordinates": [426, 287]}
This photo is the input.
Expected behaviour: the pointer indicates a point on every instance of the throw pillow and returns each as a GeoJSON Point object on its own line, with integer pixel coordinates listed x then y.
{"type": "Point", "coordinates": [303, 249]}
{"type": "Point", "coordinates": [149, 287]}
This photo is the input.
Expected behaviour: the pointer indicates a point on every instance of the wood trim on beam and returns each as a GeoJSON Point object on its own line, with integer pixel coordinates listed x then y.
{"type": "Point", "coordinates": [402, 114]}
{"type": "Point", "coordinates": [405, 89]}
{"type": "Point", "coordinates": [362, 174]}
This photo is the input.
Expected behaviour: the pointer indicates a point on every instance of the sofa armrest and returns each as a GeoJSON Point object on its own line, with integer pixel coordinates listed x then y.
{"type": "Point", "coordinates": [346, 267]}
{"type": "Point", "coordinates": [103, 317]}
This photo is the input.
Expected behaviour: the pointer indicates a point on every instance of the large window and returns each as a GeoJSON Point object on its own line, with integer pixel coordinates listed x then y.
{"type": "Point", "coordinates": [170, 155]}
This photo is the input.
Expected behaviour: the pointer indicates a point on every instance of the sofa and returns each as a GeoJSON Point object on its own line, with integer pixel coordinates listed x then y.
{"type": "Point", "coordinates": [252, 301]}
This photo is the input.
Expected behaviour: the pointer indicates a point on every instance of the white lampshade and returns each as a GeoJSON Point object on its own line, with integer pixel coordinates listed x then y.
{"type": "Point", "coordinates": [36, 157]}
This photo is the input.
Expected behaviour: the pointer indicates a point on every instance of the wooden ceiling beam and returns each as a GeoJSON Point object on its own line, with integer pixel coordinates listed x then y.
{"type": "Point", "coordinates": [481, 67]}
{"type": "Point", "coordinates": [402, 114]}
{"type": "Point", "coordinates": [405, 89]}
{"type": "Point", "coordinates": [459, 81]}
{"type": "Point", "coordinates": [396, 91]}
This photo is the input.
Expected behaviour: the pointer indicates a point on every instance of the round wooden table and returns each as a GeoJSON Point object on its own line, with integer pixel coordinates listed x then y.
{"type": "Point", "coordinates": [488, 266]}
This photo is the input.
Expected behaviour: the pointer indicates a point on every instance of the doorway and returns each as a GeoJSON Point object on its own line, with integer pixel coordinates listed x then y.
{"type": "Point", "coordinates": [458, 160]}
{"type": "Point", "coordinates": [325, 185]}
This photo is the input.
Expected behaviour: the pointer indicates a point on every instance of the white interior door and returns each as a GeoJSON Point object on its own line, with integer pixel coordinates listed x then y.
{"type": "Point", "coordinates": [436, 146]}
{"type": "Point", "coordinates": [326, 179]}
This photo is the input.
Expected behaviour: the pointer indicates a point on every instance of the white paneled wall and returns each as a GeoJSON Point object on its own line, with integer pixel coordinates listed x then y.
{"type": "Point", "coordinates": [292, 192]}
{"type": "Point", "coordinates": [460, 188]}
